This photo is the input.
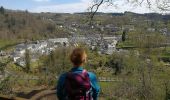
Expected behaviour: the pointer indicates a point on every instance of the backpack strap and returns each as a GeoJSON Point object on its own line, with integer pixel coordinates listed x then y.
{"type": "Point", "coordinates": [89, 92]}
{"type": "Point", "coordinates": [84, 72]}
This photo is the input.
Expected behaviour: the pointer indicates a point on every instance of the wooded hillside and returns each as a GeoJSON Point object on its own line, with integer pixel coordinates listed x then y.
{"type": "Point", "coordinates": [25, 25]}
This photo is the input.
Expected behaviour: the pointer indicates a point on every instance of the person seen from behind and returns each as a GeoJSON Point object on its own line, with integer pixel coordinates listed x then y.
{"type": "Point", "coordinates": [78, 84]}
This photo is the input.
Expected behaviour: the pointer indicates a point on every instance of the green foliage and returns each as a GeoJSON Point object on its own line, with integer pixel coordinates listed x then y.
{"type": "Point", "coordinates": [5, 86]}
{"type": "Point", "coordinates": [124, 36]}
{"type": "Point", "coordinates": [6, 43]}
{"type": "Point", "coordinates": [58, 61]}
{"type": "Point", "coordinates": [95, 60]}
{"type": "Point", "coordinates": [116, 62]}
{"type": "Point", "coordinates": [165, 55]}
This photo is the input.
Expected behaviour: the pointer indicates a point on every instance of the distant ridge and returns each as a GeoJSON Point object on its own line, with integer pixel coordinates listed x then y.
{"type": "Point", "coordinates": [153, 16]}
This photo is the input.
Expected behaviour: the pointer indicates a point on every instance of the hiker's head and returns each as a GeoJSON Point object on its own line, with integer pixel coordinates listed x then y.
{"type": "Point", "coordinates": [78, 57]}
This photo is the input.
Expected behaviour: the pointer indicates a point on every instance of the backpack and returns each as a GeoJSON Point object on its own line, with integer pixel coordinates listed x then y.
{"type": "Point", "coordinates": [77, 86]}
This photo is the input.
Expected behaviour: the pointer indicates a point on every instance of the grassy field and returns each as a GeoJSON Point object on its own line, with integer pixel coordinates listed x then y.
{"type": "Point", "coordinates": [4, 44]}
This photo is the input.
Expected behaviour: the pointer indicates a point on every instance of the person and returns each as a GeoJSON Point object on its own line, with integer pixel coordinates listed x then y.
{"type": "Point", "coordinates": [78, 58]}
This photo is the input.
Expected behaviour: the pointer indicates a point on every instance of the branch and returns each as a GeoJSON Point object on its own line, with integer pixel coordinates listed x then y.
{"type": "Point", "coordinates": [149, 3]}
{"type": "Point", "coordinates": [92, 13]}
{"type": "Point", "coordinates": [163, 5]}
{"type": "Point", "coordinates": [94, 8]}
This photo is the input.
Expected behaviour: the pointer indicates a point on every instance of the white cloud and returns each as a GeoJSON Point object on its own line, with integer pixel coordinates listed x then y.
{"type": "Point", "coordinates": [84, 4]}
{"type": "Point", "coordinates": [41, 0]}
{"type": "Point", "coordinates": [122, 6]}
{"type": "Point", "coordinates": [67, 8]}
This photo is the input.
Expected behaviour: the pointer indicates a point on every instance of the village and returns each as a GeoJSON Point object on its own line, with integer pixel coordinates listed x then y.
{"type": "Point", "coordinates": [106, 45]}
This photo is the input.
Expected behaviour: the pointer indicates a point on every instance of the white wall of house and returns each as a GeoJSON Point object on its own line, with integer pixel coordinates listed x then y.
{"type": "Point", "coordinates": [16, 58]}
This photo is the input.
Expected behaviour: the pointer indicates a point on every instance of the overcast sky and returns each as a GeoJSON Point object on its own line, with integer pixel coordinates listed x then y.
{"type": "Point", "coordinates": [68, 6]}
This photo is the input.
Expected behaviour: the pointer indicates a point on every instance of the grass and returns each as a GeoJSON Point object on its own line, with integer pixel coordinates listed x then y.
{"type": "Point", "coordinates": [165, 56]}
{"type": "Point", "coordinates": [4, 44]}
{"type": "Point", "coordinates": [126, 45]}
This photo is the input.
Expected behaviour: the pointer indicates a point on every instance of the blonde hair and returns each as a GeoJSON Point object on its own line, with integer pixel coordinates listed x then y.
{"type": "Point", "coordinates": [78, 56]}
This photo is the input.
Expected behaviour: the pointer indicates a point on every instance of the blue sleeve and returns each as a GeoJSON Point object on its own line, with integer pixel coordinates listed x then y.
{"type": "Point", "coordinates": [60, 87]}
{"type": "Point", "coordinates": [95, 85]}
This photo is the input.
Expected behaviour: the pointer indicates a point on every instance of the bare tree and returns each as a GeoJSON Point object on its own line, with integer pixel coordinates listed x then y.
{"type": "Point", "coordinates": [161, 5]}
{"type": "Point", "coordinates": [27, 61]}
{"type": "Point", "coordinates": [95, 6]}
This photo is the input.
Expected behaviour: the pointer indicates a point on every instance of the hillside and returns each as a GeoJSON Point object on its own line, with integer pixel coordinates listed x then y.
{"type": "Point", "coordinates": [25, 25]}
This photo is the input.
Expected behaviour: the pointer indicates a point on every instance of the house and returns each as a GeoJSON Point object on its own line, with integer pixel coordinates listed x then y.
{"type": "Point", "coordinates": [43, 45]}
{"type": "Point", "coordinates": [110, 47]}
{"type": "Point", "coordinates": [109, 26]}
{"type": "Point", "coordinates": [61, 26]}
{"type": "Point", "coordinates": [164, 31]}
{"type": "Point", "coordinates": [15, 58]}
{"type": "Point", "coordinates": [114, 43]}
{"type": "Point", "coordinates": [109, 51]}
{"type": "Point", "coordinates": [2, 53]}
{"type": "Point", "coordinates": [33, 47]}
{"type": "Point", "coordinates": [20, 49]}
{"type": "Point", "coordinates": [20, 52]}
{"type": "Point", "coordinates": [111, 38]}
{"type": "Point", "coordinates": [48, 50]}
{"type": "Point", "coordinates": [168, 33]}
{"type": "Point", "coordinates": [133, 19]}
{"type": "Point", "coordinates": [42, 51]}
{"type": "Point", "coordinates": [20, 46]}
{"type": "Point", "coordinates": [74, 24]}
{"type": "Point", "coordinates": [77, 38]}
{"type": "Point", "coordinates": [20, 62]}
{"type": "Point", "coordinates": [151, 29]}
{"type": "Point", "coordinates": [112, 28]}
{"type": "Point", "coordinates": [57, 41]}
{"type": "Point", "coordinates": [128, 27]}
{"type": "Point", "coordinates": [37, 46]}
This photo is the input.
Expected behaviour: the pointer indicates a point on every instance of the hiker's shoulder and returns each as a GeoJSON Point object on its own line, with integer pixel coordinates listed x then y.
{"type": "Point", "coordinates": [63, 75]}
{"type": "Point", "coordinates": [91, 74]}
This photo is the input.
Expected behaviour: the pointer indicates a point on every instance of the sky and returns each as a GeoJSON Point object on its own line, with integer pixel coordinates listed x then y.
{"type": "Point", "coordinates": [69, 6]}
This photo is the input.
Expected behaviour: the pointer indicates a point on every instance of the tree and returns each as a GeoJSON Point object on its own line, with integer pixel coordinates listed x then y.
{"type": "Point", "coordinates": [26, 11]}
{"type": "Point", "coordinates": [2, 10]}
{"type": "Point", "coordinates": [161, 5]}
{"type": "Point", "coordinates": [6, 86]}
{"type": "Point", "coordinates": [57, 61]}
{"type": "Point", "coordinates": [116, 62]}
{"type": "Point", "coordinates": [52, 62]}
{"type": "Point", "coordinates": [27, 61]}
{"type": "Point", "coordinates": [167, 91]}
{"type": "Point", "coordinates": [50, 28]}
{"type": "Point", "coordinates": [124, 36]}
